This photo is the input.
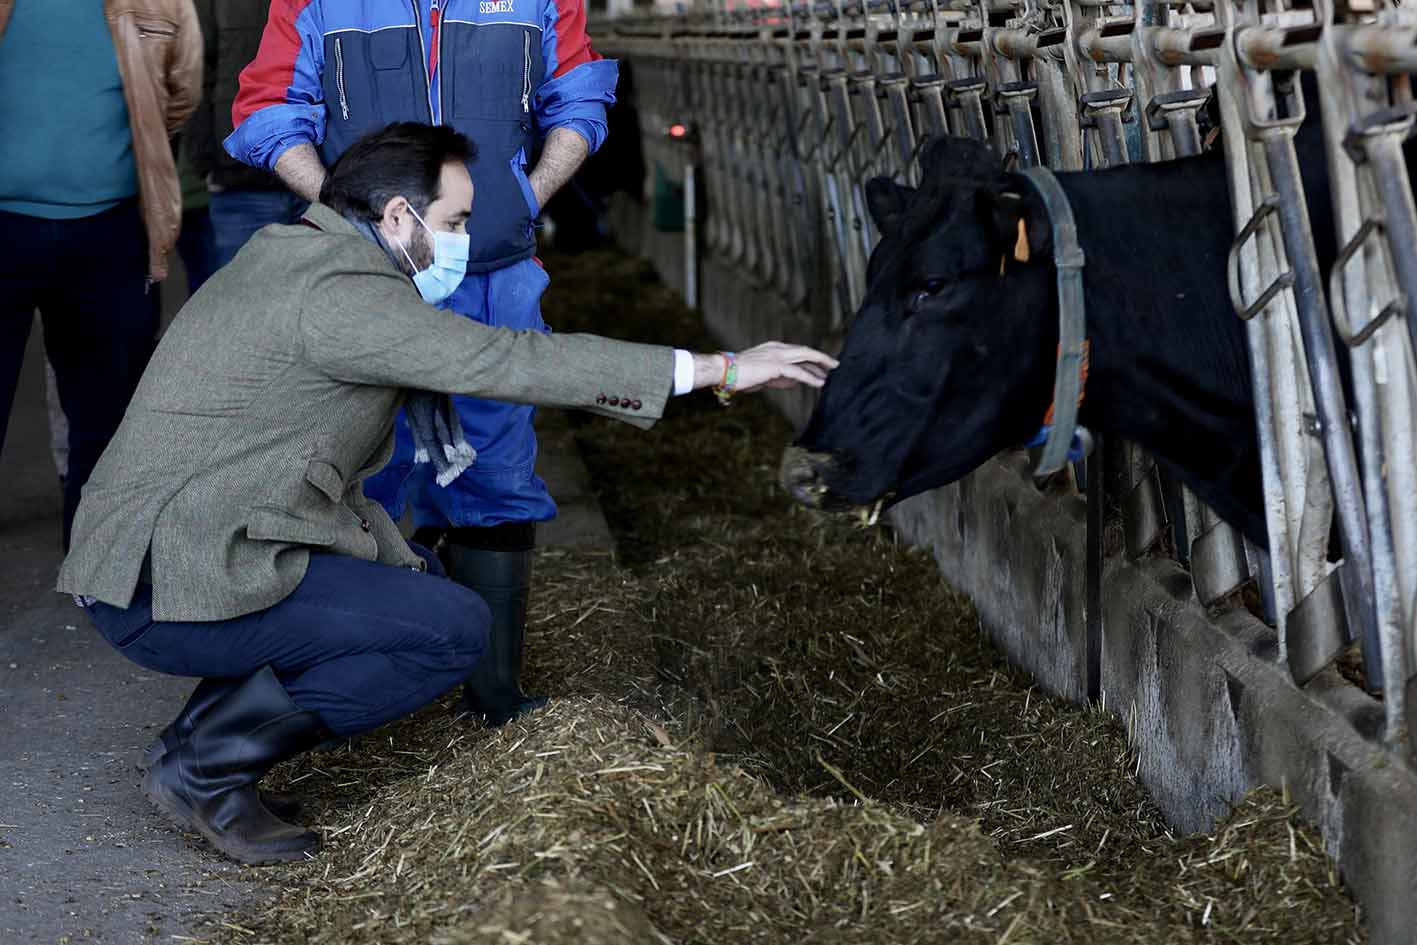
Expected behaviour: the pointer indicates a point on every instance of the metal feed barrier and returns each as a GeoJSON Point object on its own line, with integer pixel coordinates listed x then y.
{"type": "Point", "coordinates": [791, 109]}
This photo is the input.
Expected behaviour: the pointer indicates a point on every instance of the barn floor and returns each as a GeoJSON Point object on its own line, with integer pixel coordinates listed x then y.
{"type": "Point", "coordinates": [770, 726]}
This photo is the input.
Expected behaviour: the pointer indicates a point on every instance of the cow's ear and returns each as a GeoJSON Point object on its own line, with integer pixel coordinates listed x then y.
{"type": "Point", "coordinates": [886, 200]}
{"type": "Point", "coordinates": [1020, 226]}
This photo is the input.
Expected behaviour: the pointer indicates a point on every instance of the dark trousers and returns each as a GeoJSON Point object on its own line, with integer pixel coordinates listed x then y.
{"type": "Point", "coordinates": [196, 244]}
{"type": "Point", "coordinates": [88, 279]}
{"type": "Point", "coordinates": [358, 643]}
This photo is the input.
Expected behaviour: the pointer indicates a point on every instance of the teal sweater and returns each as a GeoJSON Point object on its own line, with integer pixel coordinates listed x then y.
{"type": "Point", "coordinates": [65, 147]}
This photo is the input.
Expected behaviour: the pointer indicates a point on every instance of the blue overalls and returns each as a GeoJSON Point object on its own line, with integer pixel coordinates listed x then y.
{"type": "Point", "coordinates": [503, 72]}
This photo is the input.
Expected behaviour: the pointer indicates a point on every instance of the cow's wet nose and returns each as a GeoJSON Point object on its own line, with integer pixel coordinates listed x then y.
{"type": "Point", "coordinates": [801, 475]}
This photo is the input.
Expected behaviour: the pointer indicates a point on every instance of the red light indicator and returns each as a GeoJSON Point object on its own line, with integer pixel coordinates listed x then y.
{"type": "Point", "coordinates": [677, 130]}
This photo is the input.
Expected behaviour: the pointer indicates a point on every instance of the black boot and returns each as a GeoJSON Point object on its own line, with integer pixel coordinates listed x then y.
{"type": "Point", "coordinates": [207, 693]}
{"type": "Point", "coordinates": [207, 781]}
{"type": "Point", "coordinates": [429, 536]}
{"type": "Point", "coordinates": [496, 563]}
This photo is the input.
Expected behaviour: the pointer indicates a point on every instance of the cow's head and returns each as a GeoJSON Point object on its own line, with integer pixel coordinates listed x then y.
{"type": "Point", "coordinates": [949, 359]}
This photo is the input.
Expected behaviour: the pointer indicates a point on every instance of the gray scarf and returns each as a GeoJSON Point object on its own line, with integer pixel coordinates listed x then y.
{"type": "Point", "coordinates": [437, 432]}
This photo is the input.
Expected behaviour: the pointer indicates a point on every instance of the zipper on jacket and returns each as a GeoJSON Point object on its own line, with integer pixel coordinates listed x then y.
{"type": "Point", "coordinates": [423, 50]}
{"type": "Point", "coordinates": [438, 49]}
{"type": "Point", "coordinates": [526, 72]}
{"type": "Point", "coordinates": [146, 30]}
{"type": "Point", "coordinates": [339, 79]}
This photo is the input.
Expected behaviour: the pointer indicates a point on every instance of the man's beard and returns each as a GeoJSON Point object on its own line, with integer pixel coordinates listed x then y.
{"type": "Point", "coordinates": [420, 250]}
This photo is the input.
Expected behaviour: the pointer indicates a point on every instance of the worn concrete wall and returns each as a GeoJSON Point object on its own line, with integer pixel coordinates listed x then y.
{"type": "Point", "coordinates": [1212, 714]}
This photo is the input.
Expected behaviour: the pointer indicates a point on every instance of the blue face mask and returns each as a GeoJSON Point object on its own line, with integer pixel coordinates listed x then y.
{"type": "Point", "coordinates": [449, 266]}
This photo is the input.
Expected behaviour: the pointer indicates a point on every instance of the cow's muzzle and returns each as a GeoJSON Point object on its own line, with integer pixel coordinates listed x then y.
{"type": "Point", "coordinates": [803, 475]}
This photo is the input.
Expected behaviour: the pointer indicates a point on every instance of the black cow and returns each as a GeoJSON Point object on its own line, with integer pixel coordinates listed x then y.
{"type": "Point", "coordinates": [951, 357]}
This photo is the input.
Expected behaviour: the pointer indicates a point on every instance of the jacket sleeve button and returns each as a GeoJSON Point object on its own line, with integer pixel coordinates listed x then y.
{"type": "Point", "coordinates": [614, 401]}
{"type": "Point", "coordinates": [635, 405]}
{"type": "Point", "coordinates": [600, 400]}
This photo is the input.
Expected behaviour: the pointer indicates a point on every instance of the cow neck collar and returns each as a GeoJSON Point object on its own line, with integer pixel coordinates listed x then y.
{"type": "Point", "coordinates": [1062, 439]}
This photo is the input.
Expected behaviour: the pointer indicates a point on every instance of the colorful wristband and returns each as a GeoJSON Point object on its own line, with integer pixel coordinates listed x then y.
{"type": "Point", "coordinates": [725, 388]}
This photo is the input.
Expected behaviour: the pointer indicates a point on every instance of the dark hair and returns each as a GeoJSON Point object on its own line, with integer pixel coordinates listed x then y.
{"type": "Point", "coordinates": [404, 159]}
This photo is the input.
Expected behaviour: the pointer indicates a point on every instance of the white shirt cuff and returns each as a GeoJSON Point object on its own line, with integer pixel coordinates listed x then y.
{"type": "Point", "coordinates": [683, 372]}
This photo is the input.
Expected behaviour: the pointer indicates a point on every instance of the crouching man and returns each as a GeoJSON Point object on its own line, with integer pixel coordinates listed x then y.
{"type": "Point", "coordinates": [225, 533]}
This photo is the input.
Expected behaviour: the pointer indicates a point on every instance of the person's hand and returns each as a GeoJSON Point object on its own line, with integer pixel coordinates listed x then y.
{"type": "Point", "coordinates": [771, 364]}
{"type": "Point", "coordinates": [780, 366]}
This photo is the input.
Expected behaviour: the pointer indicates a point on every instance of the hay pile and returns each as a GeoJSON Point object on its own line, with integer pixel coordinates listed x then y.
{"type": "Point", "coordinates": [591, 818]}
{"type": "Point", "coordinates": [589, 823]}
{"type": "Point", "coordinates": [771, 727]}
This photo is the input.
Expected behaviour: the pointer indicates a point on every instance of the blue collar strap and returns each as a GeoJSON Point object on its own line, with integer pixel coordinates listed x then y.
{"type": "Point", "coordinates": [1078, 448]}
{"type": "Point", "coordinates": [1062, 439]}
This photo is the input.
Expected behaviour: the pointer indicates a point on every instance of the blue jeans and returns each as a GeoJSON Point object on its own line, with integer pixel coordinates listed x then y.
{"type": "Point", "coordinates": [238, 214]}
{"type": "Point", "coordinates": [197, 248]}
{"type": "Point", "coordinates": [502, 485]}
{"type": "Point", "coordinates": [358, 643]}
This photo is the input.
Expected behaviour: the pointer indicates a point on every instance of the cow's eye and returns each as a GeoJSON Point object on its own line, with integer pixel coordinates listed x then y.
{"type": "Point", "coordinates": [919, 297]}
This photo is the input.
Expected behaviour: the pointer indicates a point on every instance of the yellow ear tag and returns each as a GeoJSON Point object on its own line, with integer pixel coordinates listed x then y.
{"type": "Point", "coordinates": [1021, 246]}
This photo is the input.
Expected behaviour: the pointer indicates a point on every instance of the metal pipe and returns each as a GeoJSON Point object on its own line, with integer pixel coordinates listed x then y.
{"type": "Point", "coordinates": [971, 107]}
{"type": "Point", "coordinates": [1384, 152]}
{"type": "Point", "coordinates": [1278, 143]}
{"type": "Point", "coordinates": [1361, 280]}
{"type": "Point", "coordinates": [1177, 47]}
{"type": "Point", "coordinates": [1277, 567]}
{"type": "Point", "coordinates": [1095, 561]}
{"type": "Point", "coordinates": [1185, 135]}
{"type": "Point", "coordinates": [691, 252]}
{"type": "Point", "coordinates": [1378, 49]}
{"type": "Point", "coordinates": [1282, 48]}
{"type": "Point", "coordinates": [1102, 47]}
{"type": "Point", "coordinates": [1111, 136]}
{"type": "Point", "coordinates": [1016, 101]}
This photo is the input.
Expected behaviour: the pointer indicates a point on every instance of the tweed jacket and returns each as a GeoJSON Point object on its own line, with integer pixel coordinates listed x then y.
{"type": "Point", "coordinates": [272, 397]}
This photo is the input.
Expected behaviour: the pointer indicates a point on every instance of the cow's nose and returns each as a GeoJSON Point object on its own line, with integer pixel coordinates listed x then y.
{"type": "Point", "coordinates": [801, 475]}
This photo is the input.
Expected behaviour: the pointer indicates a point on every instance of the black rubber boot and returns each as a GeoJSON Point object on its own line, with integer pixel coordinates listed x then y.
{"type": "Point", "coordinates": [207, 693]}
{"type": "Point", "coordinates": [496, 563]}
{"type": "Point", "coordinates": [429, 536]}
{"type": "Point", "coordinates": [207, 781]}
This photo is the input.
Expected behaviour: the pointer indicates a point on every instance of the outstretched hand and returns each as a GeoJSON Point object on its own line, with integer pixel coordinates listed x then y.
{"type": "Point", "coordinates": [779, 366]}
{"type": "Point", "coordinates": [772, 364]}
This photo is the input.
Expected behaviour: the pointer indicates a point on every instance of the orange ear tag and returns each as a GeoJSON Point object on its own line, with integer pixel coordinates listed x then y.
{"type": "Point", "coordinates": [1021, 245]}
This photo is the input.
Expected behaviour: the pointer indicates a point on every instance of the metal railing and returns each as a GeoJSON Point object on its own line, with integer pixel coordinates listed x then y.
{"type": "Point", "coordinates": [796, 107]}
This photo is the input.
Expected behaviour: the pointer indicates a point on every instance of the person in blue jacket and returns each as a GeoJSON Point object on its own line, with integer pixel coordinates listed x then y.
{"type": "Point", "coordinates": [518, 77]}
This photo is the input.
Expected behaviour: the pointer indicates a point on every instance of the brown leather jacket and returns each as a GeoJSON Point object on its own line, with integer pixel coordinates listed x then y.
{"type": "Point", "coordinates": [159, 49]}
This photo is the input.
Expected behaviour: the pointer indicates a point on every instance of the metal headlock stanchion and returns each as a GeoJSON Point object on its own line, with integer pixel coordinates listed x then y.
{"type": "Point", "coordinates": [773, 149]}
{"type": "Point", "coordinates": [965, 92]}
{"type": "Point", "coordinates": [860, 49]}
{"type": "Point", "coordinates": [1013, 92]}
{"type": "Point", "coordinates": [1373, 291]}
{"type": "Point", "coordinates": [943, 87]}
{"type": "Point", "coordinates": [799, 187]}
{"type": "Point", "coordinates": [1332, 604]}
{"type": "Point", "coordinates": [816, 131]}
{"type": "Point", "coordinates": [895, 50]}
{"type": "Point", "coordinates": [1160, 43]}
{"type": "Point", "coordinates": [850, 133]}
{"type": "Point", "coordinates": [1100, 46]}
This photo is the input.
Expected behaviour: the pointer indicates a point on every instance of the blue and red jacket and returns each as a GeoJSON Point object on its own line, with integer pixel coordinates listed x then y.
{"type": "Point", "coordinates": [503, 72]}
